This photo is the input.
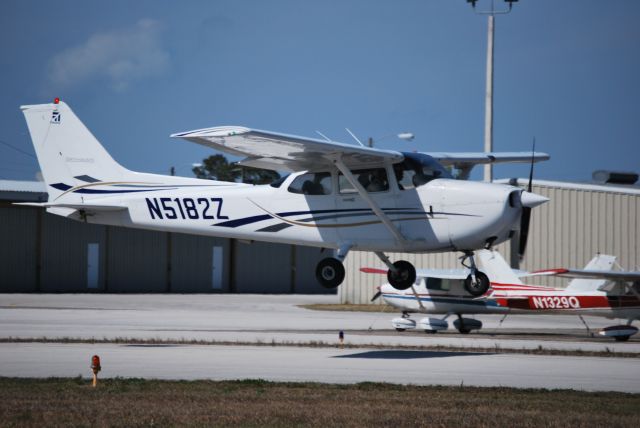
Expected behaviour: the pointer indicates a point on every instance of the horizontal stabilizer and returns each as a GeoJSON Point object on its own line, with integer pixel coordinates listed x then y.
{"type": "Point", "coordinates": [594, 276]}
{"type": "Point", "coordinates": [79, 207]}
{"type": "Point", "coordinates": [598, 274]}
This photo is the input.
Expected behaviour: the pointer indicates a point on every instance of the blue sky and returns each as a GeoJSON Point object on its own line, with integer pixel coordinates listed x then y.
{"type": "Point", "coordinates": [137, 71]}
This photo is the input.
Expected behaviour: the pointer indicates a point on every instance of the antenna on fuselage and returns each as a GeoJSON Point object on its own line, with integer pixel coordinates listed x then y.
{"type": "Point", "coordinates": [354, 137]}
{"type": "Point", "coordinates": [324, 136]}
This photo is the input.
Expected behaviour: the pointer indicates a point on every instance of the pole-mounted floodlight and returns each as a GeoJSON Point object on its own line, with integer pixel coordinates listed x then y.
{"type": "Point", "coordinates": [492, 11]}
{"type": "Point", "coordinates": [488, 109]}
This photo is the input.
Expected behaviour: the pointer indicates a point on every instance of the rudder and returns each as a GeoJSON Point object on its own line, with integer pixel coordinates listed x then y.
{"type": "Point", "coordinates": [68, 153]}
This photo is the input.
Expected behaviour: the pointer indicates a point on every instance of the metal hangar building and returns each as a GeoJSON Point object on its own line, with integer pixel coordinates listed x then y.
{"type": "Point", "coordinates": [41, 252]}
{"type": "Point", "coordinates": [46, 253]}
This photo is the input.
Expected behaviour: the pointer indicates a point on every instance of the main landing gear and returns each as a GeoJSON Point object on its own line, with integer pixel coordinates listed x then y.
{"type": "Point", "coordinates": [330, 271]}
{"type": "Point", "coordinates": [404, 275]}
{"type": "Point", "coordinates": [401, 274]}
{"type": "Point", "coordinates": [477, 283]}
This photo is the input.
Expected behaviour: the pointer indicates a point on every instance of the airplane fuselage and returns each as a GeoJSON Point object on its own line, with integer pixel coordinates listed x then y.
{"type": "Point", "coordinates": [442, 215]}
{"type": "Point", "coordinates": [516, 299]}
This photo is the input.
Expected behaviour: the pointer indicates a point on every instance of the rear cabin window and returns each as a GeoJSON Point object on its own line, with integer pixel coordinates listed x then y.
{"type": "Point", "coordinates": [372, 180]}
{"type": "Point", "coordinates": [438, 284]}
{"type": "Point", "coordinates": [317, 183]}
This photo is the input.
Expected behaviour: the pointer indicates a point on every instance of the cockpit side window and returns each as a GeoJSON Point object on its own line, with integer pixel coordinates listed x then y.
{"type": "Point", "coordinates": [418, 169]}
{"type": "Point", "coordinates": [313, 183]}
{"type": "Point", "coordinates": [634, 289]}
{"type": "Point", "coordinates": [372, 180]}
{"type": "Point", "coordinates": [404, 175]}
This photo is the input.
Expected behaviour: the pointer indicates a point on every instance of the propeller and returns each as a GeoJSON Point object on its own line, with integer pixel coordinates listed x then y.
{"type": "Point", "coordinates": [378, 294]}
{"type": "Point", "coordinates": [378, 271]}
{"type": "Point", "coordinates": [526, 208]}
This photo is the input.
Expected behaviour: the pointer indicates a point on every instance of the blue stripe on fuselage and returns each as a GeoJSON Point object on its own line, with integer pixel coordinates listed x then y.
{"type": "Point", "coordinates": [449, 300]}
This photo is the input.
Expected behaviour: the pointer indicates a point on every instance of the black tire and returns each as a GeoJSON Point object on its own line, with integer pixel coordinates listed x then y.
{"type": "Point", "coordinates": [405, 276]}
{"type": "Point", "coordinates": [400, 329]}
{"type": "Point", "coordinates": [330, 272]}
{"type": "Point", "coordinates": [463, 330]}
{"type": "Point", "coordinates": [480, 286]}
{"type": "Point", "coordinates": [621, 338]}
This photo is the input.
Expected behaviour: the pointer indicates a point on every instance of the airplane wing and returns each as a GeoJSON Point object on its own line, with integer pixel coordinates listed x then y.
{"type": "Point", "coordinates": [439, 273]}
{"type": "Point", "coordinates": [590, 274]}
{"type": "Point", "coordinates": [424, 273]}
{"type": "Point", "coordinates": [466, 161]}
{"type": "Point", "coordinates": [270, 150]}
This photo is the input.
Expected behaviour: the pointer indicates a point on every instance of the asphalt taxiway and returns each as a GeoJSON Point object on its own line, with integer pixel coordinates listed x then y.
{"type": "Point", "coordinates": [331, 365]}
{"type": "Point", "coordinates": [258, 319]}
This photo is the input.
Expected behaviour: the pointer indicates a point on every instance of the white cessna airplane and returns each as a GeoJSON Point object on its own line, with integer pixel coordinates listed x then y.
{"type": "Point", "coordinates": [339, 196]}
{"type": "Point", "coordinates": [596, 290]}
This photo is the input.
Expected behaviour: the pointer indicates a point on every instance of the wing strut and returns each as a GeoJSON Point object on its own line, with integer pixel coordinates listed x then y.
{"type": "Point", "coordinates": [415, 293]}
{"type": "Point", "coordinates": [363, 193]}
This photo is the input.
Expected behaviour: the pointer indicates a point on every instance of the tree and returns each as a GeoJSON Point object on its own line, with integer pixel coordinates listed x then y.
{"type": "Point", "coordinates": [257, 175]}
{"type": "Point", "coordinates": [217, 167]}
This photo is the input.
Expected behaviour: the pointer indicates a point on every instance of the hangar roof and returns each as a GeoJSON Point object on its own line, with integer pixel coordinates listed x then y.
{"type": "Point", "coordinates": [23, 191]}
{"type": "Point", "coordinates": [615, 188]}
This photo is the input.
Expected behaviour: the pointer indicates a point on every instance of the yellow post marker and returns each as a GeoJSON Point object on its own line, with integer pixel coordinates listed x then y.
{"type": "Point", "coordinates": [95, 368]}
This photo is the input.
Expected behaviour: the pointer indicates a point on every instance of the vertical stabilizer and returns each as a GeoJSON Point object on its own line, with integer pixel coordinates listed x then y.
{"type": "Point", "coordinates": [496, 268]}
{"type": "Point", "coordinates": [601, 262]}
{"type": "Point", "coordinates": [66, 149]}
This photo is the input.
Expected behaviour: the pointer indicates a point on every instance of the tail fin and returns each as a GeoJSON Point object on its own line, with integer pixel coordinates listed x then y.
{"type": "Point", "coordinates": [75, 165]}
{"type": "Point", "coordinates": [601, 262]}
{"type": "Point", "coordinates": [496, 268]}
{"type": "Point", "coordinates": [69, 155]}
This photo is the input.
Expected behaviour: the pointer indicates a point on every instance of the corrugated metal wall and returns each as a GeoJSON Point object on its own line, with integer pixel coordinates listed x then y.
{"type": "Point", "coordinates": [137, 261]}
{"type": "Point", "coordinates": [64, 254]}
{"type": "Point", "coordinates": [306, 259]}
{"type": "Point", "coordinates": [260, 268]}
{"type": "Point", "coordinates": [568, 231]}
{"type": "Point", "coordinates": [578, 223]}
{"type": "Point", "coordinates": [19, 258]}
{"type": "Point", "coordinates": [192, 263]}
{"type": "Point", "coordinates": [48, 253]}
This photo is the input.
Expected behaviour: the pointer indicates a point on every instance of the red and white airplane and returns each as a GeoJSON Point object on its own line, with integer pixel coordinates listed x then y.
{"type": "Point", "coordinates": [596, 290]}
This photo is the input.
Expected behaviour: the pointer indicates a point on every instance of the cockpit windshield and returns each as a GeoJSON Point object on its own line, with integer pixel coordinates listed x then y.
{"type": "Point", "coordinates": [417, 169]}
{"type": "Point", "coordinates": [278, 182]}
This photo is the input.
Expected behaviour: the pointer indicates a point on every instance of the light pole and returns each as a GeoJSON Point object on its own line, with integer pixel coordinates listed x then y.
{"type": "Point", "coordinates": [488, 102]}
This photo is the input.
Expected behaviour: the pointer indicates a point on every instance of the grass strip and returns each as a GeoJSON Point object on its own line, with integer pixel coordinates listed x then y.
{"type": "Point", "coordinates": [137, 402]}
